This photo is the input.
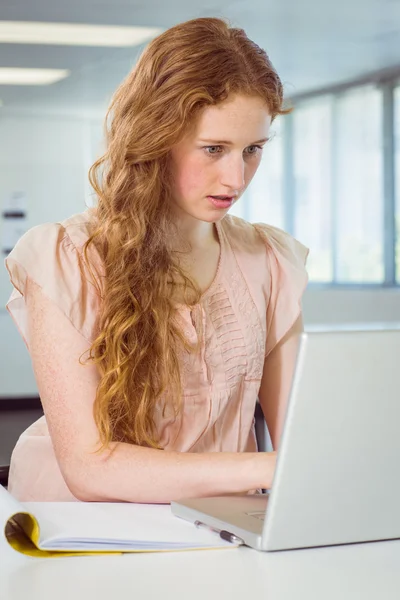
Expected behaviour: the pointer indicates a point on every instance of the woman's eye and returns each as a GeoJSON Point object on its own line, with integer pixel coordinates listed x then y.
{"type": "Point", "coordinates": [213, 149]}
{"type": "Point", "coordinates": [253, 149]}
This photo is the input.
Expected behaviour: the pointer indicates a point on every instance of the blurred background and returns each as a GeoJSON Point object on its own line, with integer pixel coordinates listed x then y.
{"type": "Point", "coordinates": [330, 176]}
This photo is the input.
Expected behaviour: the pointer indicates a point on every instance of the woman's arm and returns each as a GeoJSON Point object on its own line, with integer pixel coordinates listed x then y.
{"type": "Point", "coordinates": [277, 381]}
{"type": "Point", "coordinates": [130, 473]}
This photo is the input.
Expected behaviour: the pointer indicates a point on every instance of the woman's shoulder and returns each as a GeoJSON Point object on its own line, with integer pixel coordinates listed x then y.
{"type": "Point", "coordinates": [51, 255]}
{"type": "Point", "coordinates": [73, 231]}
{"type": "Point", "coordinates": [79, 226]}
{"type": "Point", "coordinates": [240, 232]}
{"type": "Point", "coordinates": [259, 238]}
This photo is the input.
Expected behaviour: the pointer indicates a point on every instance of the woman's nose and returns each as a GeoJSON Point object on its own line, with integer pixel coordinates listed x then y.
{"type": "Point", "coordinates": [232, 175]}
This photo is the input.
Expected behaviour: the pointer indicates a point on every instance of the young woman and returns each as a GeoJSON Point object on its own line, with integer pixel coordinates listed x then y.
{"type": "Point", "coordinates": [155, 320]}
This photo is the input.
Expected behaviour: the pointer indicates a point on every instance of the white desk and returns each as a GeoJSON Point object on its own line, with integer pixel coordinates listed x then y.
{"type": "Point", "coordinates": [356, 572]}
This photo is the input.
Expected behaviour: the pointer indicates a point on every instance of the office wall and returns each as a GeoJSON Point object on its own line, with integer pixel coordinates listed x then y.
{"type": "Point", "coordinates": [48, 157]}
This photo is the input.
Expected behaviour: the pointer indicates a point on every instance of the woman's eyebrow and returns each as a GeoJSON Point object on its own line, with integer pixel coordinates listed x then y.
{"type": "Point", "coordinates": [226, 143]}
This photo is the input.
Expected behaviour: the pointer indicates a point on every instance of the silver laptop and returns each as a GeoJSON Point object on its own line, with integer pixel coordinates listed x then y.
{"type": "Point", "coordinates": [337, 479]}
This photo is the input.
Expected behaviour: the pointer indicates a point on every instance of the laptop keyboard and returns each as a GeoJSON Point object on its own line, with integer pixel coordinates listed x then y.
{"type": "Point", "coordinates": [257, 514]}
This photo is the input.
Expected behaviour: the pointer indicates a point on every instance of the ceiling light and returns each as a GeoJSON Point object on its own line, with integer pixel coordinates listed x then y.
{"type": "Point", "coordinates": [31, 76]}
{"type": "Point", "coordinates": [73, 34]}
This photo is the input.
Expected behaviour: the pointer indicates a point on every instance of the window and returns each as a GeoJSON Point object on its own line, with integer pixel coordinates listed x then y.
{"type": "Point", "coordinates": [312, 185]}
{"type": "Point", "coordinates": [397, 175]}
{"type": "Point", "coordinates": [338, 185]}
{"type": "Point", "coordinates": [358, 175]}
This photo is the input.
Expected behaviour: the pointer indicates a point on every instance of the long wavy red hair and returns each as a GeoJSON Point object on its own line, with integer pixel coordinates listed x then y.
{"type": "Point", "coordinates": [193, 65]}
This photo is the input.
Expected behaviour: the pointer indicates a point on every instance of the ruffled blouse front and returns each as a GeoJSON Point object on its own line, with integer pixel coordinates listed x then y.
{"type": "Point", "coordinates": [253, 301]}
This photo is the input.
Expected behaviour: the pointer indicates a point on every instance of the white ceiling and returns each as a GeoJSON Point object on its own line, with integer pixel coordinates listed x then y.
{"type": "Point", "coordinates": [312, 43]}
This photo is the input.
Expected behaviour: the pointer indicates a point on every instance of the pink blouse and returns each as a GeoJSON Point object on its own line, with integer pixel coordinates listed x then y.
{"type": "Point", "coordinates": [253, 301]}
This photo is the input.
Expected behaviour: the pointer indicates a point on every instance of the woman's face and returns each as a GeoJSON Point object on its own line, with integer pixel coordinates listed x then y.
{"type": "Point", "coordinates": [215, 162]}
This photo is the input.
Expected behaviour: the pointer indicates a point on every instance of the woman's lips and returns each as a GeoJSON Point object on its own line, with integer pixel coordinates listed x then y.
{"type": "Point", "coordinates": [221, 201]}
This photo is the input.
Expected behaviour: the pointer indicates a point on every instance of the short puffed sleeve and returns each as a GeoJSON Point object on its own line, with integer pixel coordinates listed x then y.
{"type": "Point", "coordinates": [288, 279]}
{"type": "Point", "coordinates": [52, 256]}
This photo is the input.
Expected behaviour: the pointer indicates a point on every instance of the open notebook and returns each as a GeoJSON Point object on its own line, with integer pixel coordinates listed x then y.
{"type": "Point", "coordinates": [71, 528]}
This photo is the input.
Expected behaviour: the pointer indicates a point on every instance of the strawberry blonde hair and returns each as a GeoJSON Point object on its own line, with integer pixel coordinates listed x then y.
{"type": "Point", "coordinates": [193, 65]}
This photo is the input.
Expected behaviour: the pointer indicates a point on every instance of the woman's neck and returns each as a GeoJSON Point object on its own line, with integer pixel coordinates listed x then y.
{"type": "Point", "coordinates": [199, 234]}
